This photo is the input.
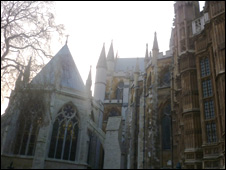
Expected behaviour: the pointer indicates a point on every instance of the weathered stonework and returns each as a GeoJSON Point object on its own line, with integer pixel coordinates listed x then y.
{"type": "Point", "coordinates": [152, 112]}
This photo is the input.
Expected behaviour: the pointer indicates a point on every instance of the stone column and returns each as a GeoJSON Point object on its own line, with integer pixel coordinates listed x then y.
{"type": "Point", "coordinates": [112, 145]}
{"type": "Point", "coordinates": [41, 148]}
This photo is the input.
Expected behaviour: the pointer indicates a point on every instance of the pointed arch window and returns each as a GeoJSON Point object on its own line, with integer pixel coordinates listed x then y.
{"type": "Point", "coordinates": [65, 134]}
{"type": "Point", "coordinates": [166, 127]}
{"type": "Point", "coordinates": [119, 90]}
{"type": "Point", "coordinates": [29, 123]}
{"type": "Point", "coordinates": [164, 78]}
{"type": "Point", "coordinates": [113, 112]}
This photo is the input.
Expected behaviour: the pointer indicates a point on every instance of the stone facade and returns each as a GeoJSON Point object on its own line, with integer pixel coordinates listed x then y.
{"type": "Point", "coordinates": [151, 112]}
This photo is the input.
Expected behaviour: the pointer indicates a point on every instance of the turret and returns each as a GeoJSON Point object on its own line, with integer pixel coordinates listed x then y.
{"type": "Point", "coordinates": [89, 83]}
{"type": "Point", "coordinates": [146, 59]}
{"type": "Point", "coordinates": [101, 73]}
{"type": "Point", "coordinates": [136, 73]}
{"type": "Point", "coordinates": [155, 50]}
{"type": "Point", "coordinates": [171, 41]}
{"type": "Point", "coordinates": [185, 13]}
{"type": "Point", "coordinates": [110, 59]}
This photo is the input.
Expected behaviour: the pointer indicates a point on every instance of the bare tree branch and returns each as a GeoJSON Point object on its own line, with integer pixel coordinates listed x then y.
{"type": "Point", "coordinates": [26, 30]}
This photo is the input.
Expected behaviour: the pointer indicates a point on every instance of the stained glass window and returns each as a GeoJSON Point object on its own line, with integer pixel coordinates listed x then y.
{"type": "Point", "coordinates": [65, 134]}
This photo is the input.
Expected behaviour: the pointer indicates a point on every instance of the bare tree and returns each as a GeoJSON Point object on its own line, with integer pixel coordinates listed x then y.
{"type": "Point", "coordinates": [26, 30]}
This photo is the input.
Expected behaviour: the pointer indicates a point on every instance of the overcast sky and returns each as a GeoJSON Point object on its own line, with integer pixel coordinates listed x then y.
{"type": "Point", "coordinates": [130, 24]}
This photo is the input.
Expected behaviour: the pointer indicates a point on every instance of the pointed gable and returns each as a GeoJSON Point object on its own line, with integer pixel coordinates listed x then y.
{"type": "Point", "coordinates": [61, 70]}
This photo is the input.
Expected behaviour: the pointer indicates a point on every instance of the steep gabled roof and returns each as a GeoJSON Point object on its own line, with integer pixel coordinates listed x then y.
{"type": "Point", "coordinates": [61, 69]}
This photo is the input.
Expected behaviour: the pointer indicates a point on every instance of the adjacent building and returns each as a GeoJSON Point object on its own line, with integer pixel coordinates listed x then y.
{"type": "Point", "coordinates": [150, 112]}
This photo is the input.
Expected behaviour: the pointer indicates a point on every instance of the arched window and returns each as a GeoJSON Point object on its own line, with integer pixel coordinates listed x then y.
{"type": "Point", "coordinates": [28, 127]}
{"type": "Point", "coordinates": [65, 134]}
{"type": "Point", "coordinates": [164, 78]}
{"type": "Point", "coordinates": [113, 112]}
{"type": "Point", "coordinates": [149, 81]}
{"type": "Point", "coordinates": [166, 127]}
{"type": "Point", "coordinates": [119, 90]}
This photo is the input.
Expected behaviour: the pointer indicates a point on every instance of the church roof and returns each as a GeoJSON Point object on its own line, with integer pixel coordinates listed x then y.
{"type": "Point", "coordinates": [60, 69]}
{"type": "Point", "coordinates": [124, 64]}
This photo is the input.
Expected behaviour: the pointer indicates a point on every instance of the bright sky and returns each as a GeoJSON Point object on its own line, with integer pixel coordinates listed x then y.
{"type": "Point", "coordinates": [130, 24]}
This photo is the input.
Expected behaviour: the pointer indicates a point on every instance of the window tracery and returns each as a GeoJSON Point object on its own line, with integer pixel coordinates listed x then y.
{"type": "Point", "coordinates": [65, 134]}
{"type": "Point", "coordinates": [164, 78]}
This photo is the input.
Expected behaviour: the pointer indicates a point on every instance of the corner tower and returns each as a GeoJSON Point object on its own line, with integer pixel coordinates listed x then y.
{"type": "Point", "coordinates": [187, 138]}
{"type": "Point", "coordinates": [101, 73]}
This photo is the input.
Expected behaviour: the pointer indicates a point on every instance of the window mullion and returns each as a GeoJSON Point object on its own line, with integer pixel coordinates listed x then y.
{"type": "Point", "coordinates": [65, 133]}
{"type": "Point", "coordinates": [57, 139]}
{"type": "Point", "coordinates": [21, 142]}
{"type": "Point", "coordinates": [29, 137]}
{"type": "Point", "coordinates": [71, 140]}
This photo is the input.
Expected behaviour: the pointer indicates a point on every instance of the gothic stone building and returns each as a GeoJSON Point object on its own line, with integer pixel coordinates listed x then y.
{"type": "Point", "coordinates": [156, 111]}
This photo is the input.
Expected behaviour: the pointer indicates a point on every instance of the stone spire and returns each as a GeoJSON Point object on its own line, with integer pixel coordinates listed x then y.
{"type": "Point", "coordinates": [171, 40]}
{"type": "Point", "coordinates": [89, 82]}
{"type": "Point", "coordinates": [102, 59]}
{"type": "Point", "coordinates": [146, 54]}
{"type": "Point", "coordinates": [146, 59]}
{"type": "Point", "coordinates": [155, 44]}
{"type": "Point", "coordinates": [116, 55]}
{"type": "Point", "coordinates": [101, 75]}
{"type": "Point", "coordinates": [110, 59]}
{"type": "Point", "coordinates": [155, 51]}
{"type": "Point", "coordinates": [27, 72]}
{"type": "Point", "coordinates": [89, 79]}
{"type": "Point", "coordinates": [110, 55]}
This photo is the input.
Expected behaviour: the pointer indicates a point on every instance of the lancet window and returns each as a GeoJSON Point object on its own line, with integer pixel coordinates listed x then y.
{"type": "Point", "coordinates": [65, 134]}
{"type": "Point", "coordinates": [119, 90]}
{"type": "Point", "coordinates": [164, 78]}
{"type": "Point", "coordinates": [166, 127]}
{"type": "Point", "coordinates": [29, 123]}
{"type": "Point", "coordinates": [113, 112]}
